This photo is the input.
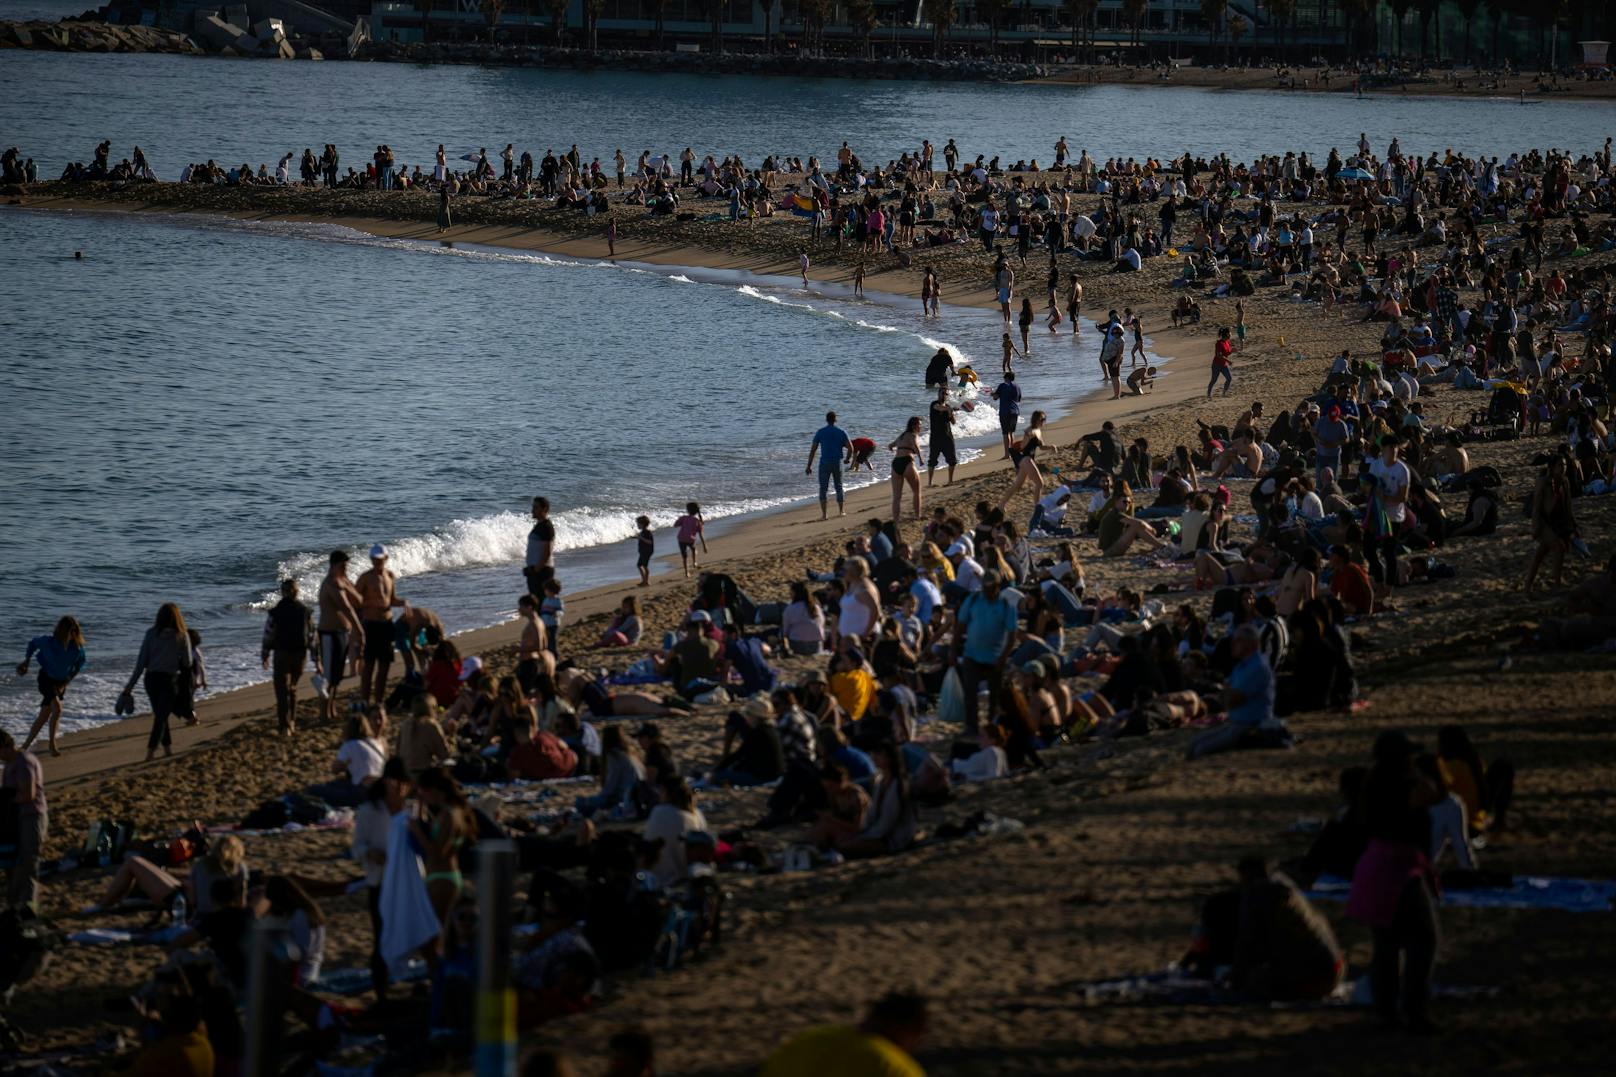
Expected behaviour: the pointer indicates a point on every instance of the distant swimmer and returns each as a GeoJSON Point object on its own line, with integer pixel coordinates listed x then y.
{"type": "Point", "coordinates": [78, 256]}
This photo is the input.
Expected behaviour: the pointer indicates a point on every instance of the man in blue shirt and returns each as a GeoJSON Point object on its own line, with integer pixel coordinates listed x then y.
{"type": "Point", "coordinates": [1248, 696]}
{"type": "Point", "coordinates": [1008, 394]}
{"type": "Point", "coordinates": [880, 545]}
{"type": "Point", "coordinates": [984, 633]}
{"type": "Point", "coordinates": [833, 447]}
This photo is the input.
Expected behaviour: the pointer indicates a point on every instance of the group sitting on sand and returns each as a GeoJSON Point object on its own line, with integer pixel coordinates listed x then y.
{"type": "Point", "coordinates": [940, 651]}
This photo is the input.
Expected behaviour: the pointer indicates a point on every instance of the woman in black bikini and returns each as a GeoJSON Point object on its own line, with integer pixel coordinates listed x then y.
{"type": "Point", "coordinates": [904, 468]}
{"type": "Point", "coordinates": [1026, 461]}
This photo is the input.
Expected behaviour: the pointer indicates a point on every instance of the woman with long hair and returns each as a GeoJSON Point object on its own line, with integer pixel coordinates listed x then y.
{"type": "Point", "coordinates": [1554, 526]}
{"type": "Point", "coordinates": [447, 826]}
{"type": "Point", "coordinates": [61, 656]}
{"type": "Point", "coordinates": [165, 657]}
{"type": "Point", "coordinates": [860, 609]}
{"type": "Point", "coordinates": [890, 823]}
{"type": "Point", "coordinates": [624, 770]}
{"type": "Point", "coordinates": [802, 624]}
{"type": "Point", "coordinates": [1026, 459]}
{"type": "Point", "coordinates": [905, 466]}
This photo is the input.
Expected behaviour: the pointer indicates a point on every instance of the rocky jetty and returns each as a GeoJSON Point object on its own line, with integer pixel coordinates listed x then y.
{"type": "Point", "coordinates": [77, 35]}
{"type": "Point", "coordinates": [701, 63]}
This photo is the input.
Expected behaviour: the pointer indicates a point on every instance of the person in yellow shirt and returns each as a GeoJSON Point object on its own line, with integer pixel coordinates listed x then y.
{"type": "Point", "coordinates": [851, 683]}
{"type": "Point", "coordinates": [183, 1049]}
{"type": "Point", "coordinates": [879, 1047]}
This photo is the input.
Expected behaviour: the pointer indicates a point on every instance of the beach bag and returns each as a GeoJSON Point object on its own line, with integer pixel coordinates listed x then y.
{"type": "Point", "coordinates": [951, 699]}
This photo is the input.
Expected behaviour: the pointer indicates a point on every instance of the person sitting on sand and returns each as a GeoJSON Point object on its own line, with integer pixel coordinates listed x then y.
{"type": "Point", "coordinates": [760, 756]}
{"type": "Point", "coordinates": [359, 759]}
{"type": "Point", "coordinates": [890, 823]}
{"type": "Point", "coordinates": [988, 762]}
{"type": "Point", "coordinates": [625, 627]}
{"type": "Point", "coordinates": [1248, 696]}
{"type": "Point", "coordinates": [1285, 949]}
{"type": "Point", "coordinates": [841, 820]}
{"type": "Point", "coordinates": [624, 770]}
{"type": "Point", "coordinates": [1118, 529]}
{"type": "Point", "coordinates": [225, 859]}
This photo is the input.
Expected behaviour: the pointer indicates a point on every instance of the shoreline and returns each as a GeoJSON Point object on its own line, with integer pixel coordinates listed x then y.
{"type": "Point", "coordinates": [762, 533]}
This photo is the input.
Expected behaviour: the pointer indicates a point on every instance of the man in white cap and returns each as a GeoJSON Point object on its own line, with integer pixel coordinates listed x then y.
{"type": "Point", "coordinates": [696, 657]}
{"type": "Point", "coordinates": [376, 602]}
{"type": "Point", "coordinates": [967, 571]}
{"type": "Point", "coordinates": [341, 631]}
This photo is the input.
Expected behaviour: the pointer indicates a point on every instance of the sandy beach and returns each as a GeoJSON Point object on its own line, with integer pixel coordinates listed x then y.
{"type": "Point", "coordinates": [1009, 935]}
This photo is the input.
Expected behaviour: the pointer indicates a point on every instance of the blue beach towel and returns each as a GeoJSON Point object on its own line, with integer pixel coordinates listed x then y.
{"type": "Point", "coordinates": [1529, 892]}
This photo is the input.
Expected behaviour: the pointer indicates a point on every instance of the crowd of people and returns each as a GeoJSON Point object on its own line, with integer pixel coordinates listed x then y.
{"type": "Point", "coordinates": [978, 622]}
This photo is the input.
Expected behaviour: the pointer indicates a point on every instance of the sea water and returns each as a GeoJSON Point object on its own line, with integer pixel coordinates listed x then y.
{"type": "Point", "coordinates": [201, 407]}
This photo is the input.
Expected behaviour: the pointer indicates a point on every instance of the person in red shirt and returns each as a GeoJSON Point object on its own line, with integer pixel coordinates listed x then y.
{"type": "Point", "coordinates": [1350, 583]}
{"type": "Point", "coordinates": [1220, 363]}
{"type": "Point", "coordinates": [863, 448]}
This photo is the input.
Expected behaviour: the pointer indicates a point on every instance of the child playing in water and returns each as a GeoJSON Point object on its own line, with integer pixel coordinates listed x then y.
{"type": "Point", "coordinates": [1009, 352]}
{"type": "Point", "coordinates": [690, 529]}
{"type": "Point", "coordinates": [646, 543]}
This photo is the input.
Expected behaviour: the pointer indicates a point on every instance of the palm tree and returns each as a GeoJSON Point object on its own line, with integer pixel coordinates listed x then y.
{"type": "Point", "coordinates": [715, 15]}
{"type": "Point", "coordinates": [861, 16]}
{"type": "Point", "coordinates": [1237, 29]}
{"type": "Point", "coordinates": [1467, 8]}
{"type": "Point", "coordinates": [658, 10]}
{"type": "Point", "coordinates": [1400, 11]}
{"type": "Point", "coordinates": [593, 9]}
{"type": "Point", "coordinates": [1135, 11]}
{"type": "Point", "coordinates": [992, 11]}
{"type": "Point", "coordinates": [493, 11]}
{"type": "Point", "coordinates": [558, 17]}
{"type": "Point", "coordinates": [1081, 12]}
{"type": "Point", "coordinates": [1279, 12]}
{"type": "Point", "coordinates": [941, 15]}
{"type": "Point", "coordinates": [1215, 12]}
{"type": "Point", "coordinates": [814, 15]}
{"type": "Point", "coordinates": [768, 25]}
{"type": "Point", "coordinates": [1360, 14]}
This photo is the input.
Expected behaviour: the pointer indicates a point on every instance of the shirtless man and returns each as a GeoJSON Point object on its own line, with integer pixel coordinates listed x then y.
{"type": "Point", "coordinates": [533, 655]}
{"type": "Point", "coordinates": [340, 629]}
{"type": "Point", "coordinates": [1074, 303]}
{"type": "Point", "coordinates": [1299, 583]}
{"type": "Point", "coordinates": [407, 636]}
{"type": "Point", "coordinates": [376, 601]}
{"type": "Point", "coordinates": [1451, 459]}
{"type": "Point", "coordinates": [1243, 451]}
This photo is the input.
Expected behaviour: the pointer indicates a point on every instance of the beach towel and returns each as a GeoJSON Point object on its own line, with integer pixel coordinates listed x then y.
{"type": "Point", "coordinates": [1528, 892]}
{"type": "Point", "coordinates": [408, 920]}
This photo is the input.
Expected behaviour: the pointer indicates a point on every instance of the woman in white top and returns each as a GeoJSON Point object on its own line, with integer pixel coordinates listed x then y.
{"type": "Point", "coordinates": [802, 625]}
{"type": "Point", "coordinates": [440, 171]}
{"type": "Point", "coordinates": [670, 821]}
{"type": "Point", "coordinates": [359, 762]}
{"type": "Point", "coordinates": [861, 606]}
{"type": "Point", "coordinates": [989, 763]}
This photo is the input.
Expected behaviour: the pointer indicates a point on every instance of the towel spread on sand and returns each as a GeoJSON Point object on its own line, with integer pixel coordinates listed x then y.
{"type": "Point", "coordinates": [1529, 892]}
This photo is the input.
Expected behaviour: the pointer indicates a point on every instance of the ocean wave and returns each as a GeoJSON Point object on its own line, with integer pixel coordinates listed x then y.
{"type": "Point", "coordinates": [681, 278]}
{"type": "Point", "coordinates": [500, 539]}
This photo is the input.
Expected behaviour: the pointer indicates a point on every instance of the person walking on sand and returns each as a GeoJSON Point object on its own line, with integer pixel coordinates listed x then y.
{"type": "Point", "coordinates": [690, 529]}
{"type": "Point", "coordinates": [1008, 394]}
{"type": "Point", "coordinates": [941, 441]}
{"type": "Point", "coordinates": [1074, 303]}
{"type": "Point", "coordinates": [1004, 283]}
{"type": "Point", "coordinates": [1026, 462]}
{"type": "Point", "coordinates": [611, 236]}
{"type": "Point", "coordinates": [445, 215]}
{"type": "Point", "coordinates": [377, 599]}
{"type": "Point", "coordinates": [289, 639]}
{"type": "Point", "coordinates": [905, 466]}
{"type": "Point", "coordinates": [858, 280]}
{"type": "Point", "coordinates": [833, 447]}
{"type": "Point", "coordinates": [1221, 363]}
{"type": "Point", "coordinates": [802, 267]}
{"type": "Point", "coordinates": [165, 657]}
{"type": "Point", "coordinates": [341, 632]}
{"type": "Point", "coordinates": [645, 548]}
{"type": "Point", "coordinates": [61, 657]}
{"type": "Point", "coordinates": [1240, 323]}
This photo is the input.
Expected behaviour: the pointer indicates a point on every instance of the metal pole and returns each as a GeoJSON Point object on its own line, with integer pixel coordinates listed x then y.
{"type": "Point", "coordinates": [496, 1001]}
{"type": "Point", "coordinates": [266, 984]}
